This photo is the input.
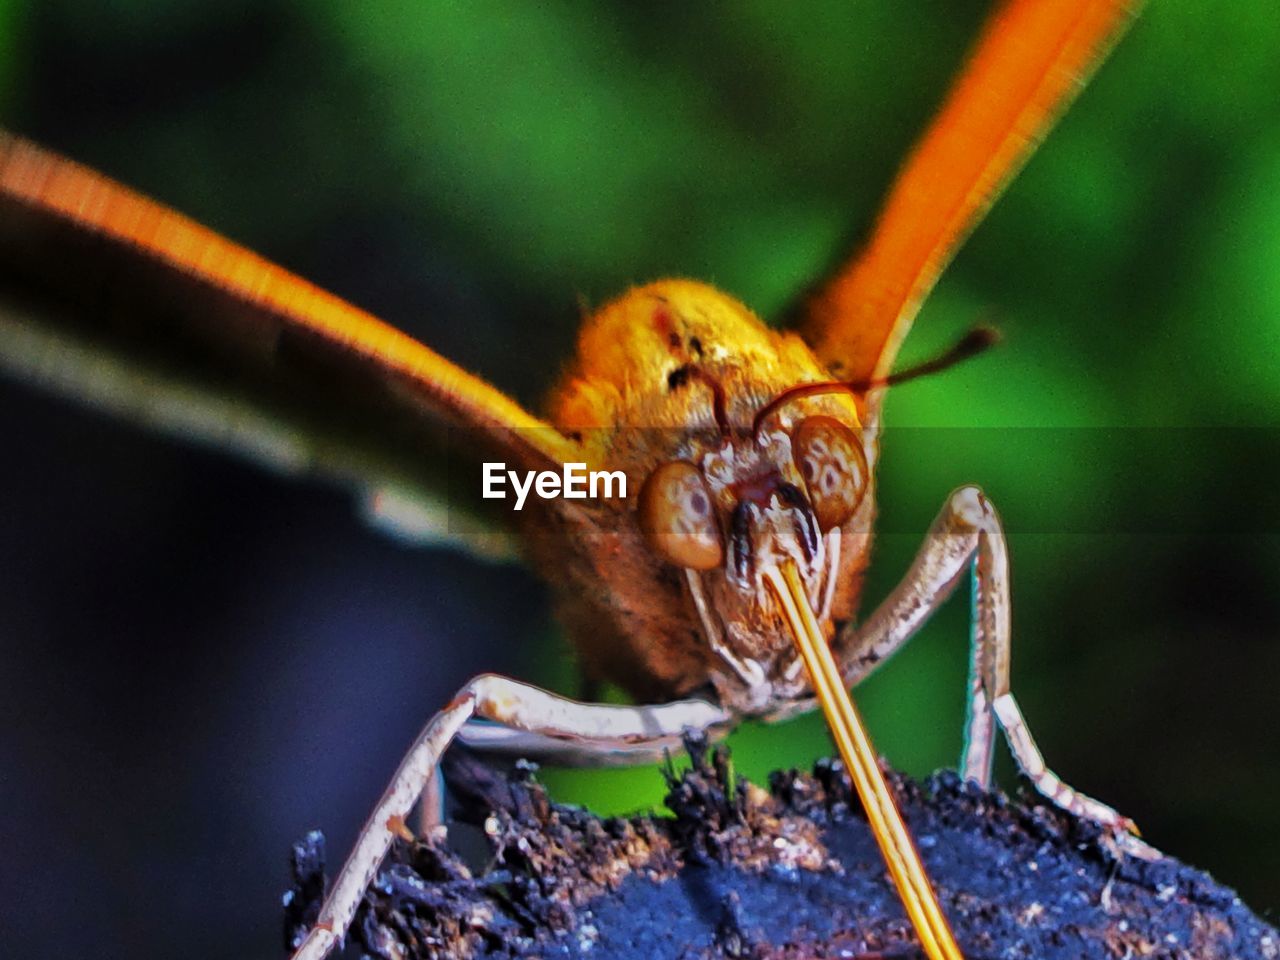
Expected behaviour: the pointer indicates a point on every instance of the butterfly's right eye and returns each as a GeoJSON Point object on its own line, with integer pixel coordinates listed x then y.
{"type": "Point", "coordinates": [830, 458]}
{"type": "Point", "coordinates": [678, 517]}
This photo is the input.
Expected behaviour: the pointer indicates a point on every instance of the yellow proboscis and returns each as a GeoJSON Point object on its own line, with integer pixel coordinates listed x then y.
{"type": "Point", "coordinates": [860, 758]}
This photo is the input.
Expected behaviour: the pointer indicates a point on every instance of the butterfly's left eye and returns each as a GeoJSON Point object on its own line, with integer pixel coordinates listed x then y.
{"type": "Point", "coordinates": [829, 456]}
{"type": "Point", "coordinates": [678, 517]}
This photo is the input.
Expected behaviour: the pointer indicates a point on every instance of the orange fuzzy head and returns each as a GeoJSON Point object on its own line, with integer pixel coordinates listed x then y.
{"type": "Point", "coordinates": [664, 591]}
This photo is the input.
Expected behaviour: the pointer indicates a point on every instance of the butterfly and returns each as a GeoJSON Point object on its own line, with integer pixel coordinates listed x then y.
{"type": "Point", "coordinates": [379, 379]}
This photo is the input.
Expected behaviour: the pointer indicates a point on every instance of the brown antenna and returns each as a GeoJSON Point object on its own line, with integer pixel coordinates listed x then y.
{"type": "Point", "coordinates": [719, 402]}
{"type": "Point", "coordinates": [974, 342]}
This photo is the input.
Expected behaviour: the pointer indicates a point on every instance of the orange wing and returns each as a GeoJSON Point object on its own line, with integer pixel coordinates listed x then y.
{"type": "Point", "coordinates": [116, 299]}
{"type": "Point", "coordinates": [1031, 59]}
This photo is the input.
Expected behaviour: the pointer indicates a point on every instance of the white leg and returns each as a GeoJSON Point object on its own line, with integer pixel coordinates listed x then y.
{"type": "Point", "coordinates": [512, 704]}
{"type": "Point", "coordinates": [494, 740]}
{"type": "Point", "coordinates": [431, 804]}
{"type": "Point", "coordinates": [967, 534]}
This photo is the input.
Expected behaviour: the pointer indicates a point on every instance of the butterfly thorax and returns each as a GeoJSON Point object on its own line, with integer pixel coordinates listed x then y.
{"type": "Point", "coordinates": [663, 591]}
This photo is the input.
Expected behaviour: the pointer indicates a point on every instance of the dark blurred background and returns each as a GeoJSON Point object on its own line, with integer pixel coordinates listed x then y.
{"type": "Point", "coordinates": [202, 661]}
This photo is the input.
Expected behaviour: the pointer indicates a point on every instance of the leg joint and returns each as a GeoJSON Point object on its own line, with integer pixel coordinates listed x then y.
{"type": "Point", "coordinates": [970, 509]}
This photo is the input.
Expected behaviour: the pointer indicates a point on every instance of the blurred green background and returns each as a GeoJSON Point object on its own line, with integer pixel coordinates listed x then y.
{"type": "Point", "coordinates": [207, 661]}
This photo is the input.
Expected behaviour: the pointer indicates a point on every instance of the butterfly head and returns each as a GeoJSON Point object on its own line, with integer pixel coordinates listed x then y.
{"type": "Point", "coordinates": [795, 489]}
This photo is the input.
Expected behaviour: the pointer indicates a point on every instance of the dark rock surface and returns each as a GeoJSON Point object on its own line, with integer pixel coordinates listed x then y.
{"type": "Point", "coordinates": [790, 872]}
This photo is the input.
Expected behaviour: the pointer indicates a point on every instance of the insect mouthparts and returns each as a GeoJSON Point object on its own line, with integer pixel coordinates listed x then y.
{"type": "Point", "coordinates": [806, 521]}
{"type": "Point", "coordinates": [740, 540]}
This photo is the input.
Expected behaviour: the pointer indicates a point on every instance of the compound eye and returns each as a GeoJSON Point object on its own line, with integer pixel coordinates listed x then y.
{"type": "Point", "coordinates": [829, 456]}
{"type": "Point", "coordinates": [678, 518]}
